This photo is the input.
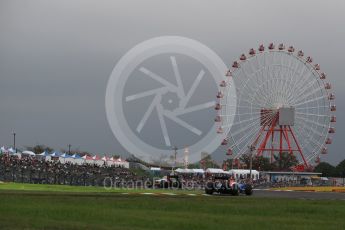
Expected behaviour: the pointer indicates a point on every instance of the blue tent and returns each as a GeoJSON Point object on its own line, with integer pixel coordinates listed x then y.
{"type": "Point", "coordinates": [65, 155]}
{"type": "Point", "coordinates": [55, 154]}
{"type": "Point", "coordinates": [75, 156]}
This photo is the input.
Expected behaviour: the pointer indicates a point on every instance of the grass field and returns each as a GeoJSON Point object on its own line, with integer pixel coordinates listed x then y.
{"type": "Point", "coordinates": [50, 207]}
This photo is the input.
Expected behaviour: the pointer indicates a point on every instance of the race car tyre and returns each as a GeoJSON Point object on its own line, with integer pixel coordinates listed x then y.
{"type": "Point", "coordinates": [235, 190]}
{"type": "Point", "coordinates": [248, 190]}
{"type": "Point", "coordinates": [209, 188]}
{"type": "Point", "coordinates": [164, 184]}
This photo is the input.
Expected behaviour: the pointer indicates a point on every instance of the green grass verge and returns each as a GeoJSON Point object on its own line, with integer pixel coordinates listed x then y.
{"type": "Point", "coordinates": [83, 189]}
{"type": "Point", "coordinates": [90, 210]}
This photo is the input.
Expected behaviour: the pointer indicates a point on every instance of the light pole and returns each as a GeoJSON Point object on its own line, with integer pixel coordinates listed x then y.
{"type": "Point", "coordinates": [175, 154]}
{"type": "Point", "coordinates": [69, 149]}
{"type": "Point", "coordinates": [14, 141]}
{"type": "Point", "coordinates": [251, 149]}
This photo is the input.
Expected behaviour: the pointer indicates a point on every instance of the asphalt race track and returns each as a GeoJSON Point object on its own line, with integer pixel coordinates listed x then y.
{"type": "Point", "coordinates": [300, 195]}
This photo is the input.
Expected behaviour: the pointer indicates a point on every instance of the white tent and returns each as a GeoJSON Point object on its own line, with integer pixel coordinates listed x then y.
{"type": "Point", "coordinates": [55, 154]}
{"type": "Point", "coordinates": [11, 150]}
{"type": "Point", "coordinates": [77, 159]}
{"type": "Point", "coordinates": [87, 159]}
{"type": "Point", "coordinates": [3, 149]}
{"type": "Point", "coordinates": [18, 154]}
{"type": "Point", "coordinates": [63, 158]}
{"type": "Point", "coordinates": [30, 153]}
{"type": "Point", "coordinates": [65, 155]}
{"type": "Point", "coordinates": [44, 154]}
{"type": "Point", "coordinates": [244, 173]}
{"type": "Point", "coordinates": [109, 160]}
{"type": "Point", "coordinates": [122, 163]}
{"type": "Point", "coordinates": [97, 160]}
{"type": "Point", "coordinates": [216, 171]}
{"type": "Point", "coordinates": [179, 170]}
{"type": "Point", "coordinates": [155, 169]}
{"type": "Point", "coordinates": [198, 171]}
{"type": "Point", "coordinates": [74, 159]}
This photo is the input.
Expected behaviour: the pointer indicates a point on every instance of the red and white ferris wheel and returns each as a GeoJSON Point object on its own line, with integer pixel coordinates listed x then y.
{"type": "Point", "coordinates": [283, 105]}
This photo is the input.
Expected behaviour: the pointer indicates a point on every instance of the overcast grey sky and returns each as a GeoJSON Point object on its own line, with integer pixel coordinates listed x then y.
{"type": "Point", "coordinates": [56, 56]}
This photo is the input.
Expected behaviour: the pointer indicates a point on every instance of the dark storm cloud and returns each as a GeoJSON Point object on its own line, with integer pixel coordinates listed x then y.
{"type": "Point", "coordinates": [56, 56]}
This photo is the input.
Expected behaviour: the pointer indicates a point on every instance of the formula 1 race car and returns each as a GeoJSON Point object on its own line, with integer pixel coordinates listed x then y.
{"type": "Point", "coordinates": [171, 181]}
{"type": "Point", "coordinates": [226, 185]}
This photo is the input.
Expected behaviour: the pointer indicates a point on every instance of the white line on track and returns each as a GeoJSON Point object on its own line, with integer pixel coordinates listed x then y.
{"type": "Point", "coordinates": [169, 194]}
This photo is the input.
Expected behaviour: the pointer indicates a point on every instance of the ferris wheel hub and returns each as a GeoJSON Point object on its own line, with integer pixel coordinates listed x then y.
{"type": "Point", "coordinates": [283, 115]}
{"type": "Point", "coordinates": [286, 116]}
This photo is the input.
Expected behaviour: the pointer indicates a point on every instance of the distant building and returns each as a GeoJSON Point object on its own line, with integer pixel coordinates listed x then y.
{"type": "Point", "coordinates": [305, 177]}
{"type": "Point", "coordinates": [239, 174]}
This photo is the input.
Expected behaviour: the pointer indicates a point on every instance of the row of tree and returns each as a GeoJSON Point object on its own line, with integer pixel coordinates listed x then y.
{"type": "Point", "coordinates": [329, 170]}
{"type": "Point", "coordinates": [283, 162]}
{"type": "Point", "coordinates": [287, 161]}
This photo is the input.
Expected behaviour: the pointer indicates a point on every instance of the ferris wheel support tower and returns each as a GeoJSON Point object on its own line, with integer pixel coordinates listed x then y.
{"type": "Point", "coordinates": [279, 125]}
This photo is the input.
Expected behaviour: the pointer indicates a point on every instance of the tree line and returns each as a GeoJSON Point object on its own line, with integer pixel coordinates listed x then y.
{"type": "Point", "coordinates": [329, 170]}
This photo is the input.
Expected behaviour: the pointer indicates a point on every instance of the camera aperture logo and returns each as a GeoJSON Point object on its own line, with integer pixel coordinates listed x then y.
{"type": "Point", "coordinates": [160, 96]}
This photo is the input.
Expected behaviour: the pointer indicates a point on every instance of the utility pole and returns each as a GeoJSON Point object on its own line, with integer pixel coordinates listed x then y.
{"type": "Point", "coordinates": [14, 141]}
{"type": "Point", "coordinates": [251, 150]}
{"type": "Point", "coordinates": [69, 149]}
{"type": "Point", "coordinates": [186, 158]}
{"type": "Point", "coordinates": [175, 155]}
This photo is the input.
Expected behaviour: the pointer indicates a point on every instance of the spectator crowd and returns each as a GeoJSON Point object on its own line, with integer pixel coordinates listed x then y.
{"type": "Point", "coordinates": [39, 171]}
